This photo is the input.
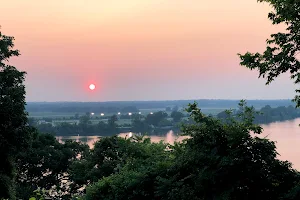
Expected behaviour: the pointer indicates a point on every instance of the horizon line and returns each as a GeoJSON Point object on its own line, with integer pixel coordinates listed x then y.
{"type": "Point", "coordinates": [157, 100]}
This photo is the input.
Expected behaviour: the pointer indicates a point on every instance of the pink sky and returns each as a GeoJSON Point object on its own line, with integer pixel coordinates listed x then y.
{"type": "Point", "coordinates": [139, 49]}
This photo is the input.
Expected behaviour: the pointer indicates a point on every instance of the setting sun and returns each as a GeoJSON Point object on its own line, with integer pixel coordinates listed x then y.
{"type": "Point", "coordinates": [92, 87]}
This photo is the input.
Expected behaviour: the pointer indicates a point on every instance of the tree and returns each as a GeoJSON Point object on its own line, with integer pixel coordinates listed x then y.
{"type": "Point", "coordinates": [108, 156]}
{"type": "Point", "coordinates": [112, 125]}
{"type": "Point", "coordinates": [46, 163]}
{"type": "Point", "coordinates": [164, 122]}
{"type": "Point", "coordinates": [132, 172]}
{"type": "Point", "coordinates": [155, 118]}
{"type": "Point", "coordinates": [139, 126]}
{"type": "Point", "coordinates": [175, 108]}
{"type": "Point", "coordinates": [84, 121]}
{"type": "Point", "coordinates": [282, 52]}
{"type": "Point", "coordinates": [14, 132]}
{"type": "Point", "coordinates": [112, 121]}
{"type": "Point", "coordinates": [48, 128]}
{"type": "Point", "coordinates": [223, 115]}
{"type": "Point", "coordinates": [222, 160]}
{"type": "Point", "coordinates": [177, 116]}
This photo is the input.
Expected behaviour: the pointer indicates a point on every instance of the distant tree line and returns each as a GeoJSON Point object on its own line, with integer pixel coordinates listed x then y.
{"type": "Point", "coordinates": [157, 122]}
{"type": "Point", "coordinates": [78, 107]}
{"type": "Point", "coordinates": [84, 127]}
{"type": "Point", "coordinates": [267, 114]}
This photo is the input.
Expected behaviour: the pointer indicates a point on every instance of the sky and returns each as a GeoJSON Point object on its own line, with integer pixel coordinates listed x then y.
{"type": "Point", "coordinates": [140, 49]}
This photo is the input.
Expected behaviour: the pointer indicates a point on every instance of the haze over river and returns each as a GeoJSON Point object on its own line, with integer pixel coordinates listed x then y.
{"type": "Point", "coordinates": [286, 135]}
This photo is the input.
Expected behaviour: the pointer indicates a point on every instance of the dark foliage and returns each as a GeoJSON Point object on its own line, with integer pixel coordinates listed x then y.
{"type": "Point", "coordinates": [283, 48]}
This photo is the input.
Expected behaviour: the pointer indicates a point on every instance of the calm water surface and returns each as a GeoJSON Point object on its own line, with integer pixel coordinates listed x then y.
{"type": "Point", "coordinates": [287, 137]}
{"type": "Point", "coordinates": [285, 134]}
{"type": "Point", "coordinates": [170, 137]}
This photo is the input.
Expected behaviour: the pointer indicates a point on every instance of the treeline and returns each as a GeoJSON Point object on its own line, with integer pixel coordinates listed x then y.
{"type": "Point", "coordinates": [154, 123]}
{"type": "Point", "coordinates": [267, 114]}
{"type": "Point", "coordinates": [83, 128]}
{"type": "Point", "coordinates": [79, 107]}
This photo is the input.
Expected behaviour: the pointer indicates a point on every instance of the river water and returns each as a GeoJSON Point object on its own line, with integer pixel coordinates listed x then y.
{"type": "Point", "coordinates": [285, 134]}
{"type": "Point", "coordinates": [170, 138]}
{"type": "Point", "coordinates": [287, 137]}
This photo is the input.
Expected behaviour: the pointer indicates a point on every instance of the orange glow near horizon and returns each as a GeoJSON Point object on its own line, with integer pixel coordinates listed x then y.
{"type": "Point", "coordinates": [135, 46]}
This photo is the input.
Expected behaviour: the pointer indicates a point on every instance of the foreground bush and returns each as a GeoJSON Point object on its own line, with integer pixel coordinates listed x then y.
{"type": "Point", "coordinates": [220, 160]}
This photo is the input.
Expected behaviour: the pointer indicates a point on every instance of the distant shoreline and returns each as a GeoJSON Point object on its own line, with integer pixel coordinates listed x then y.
{"type": "Point", "coordinates": [145, 101]}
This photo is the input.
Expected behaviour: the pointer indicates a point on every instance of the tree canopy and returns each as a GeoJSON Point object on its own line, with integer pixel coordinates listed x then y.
{"type": "Point", "coordinates": [14, 132]}
{"type": "Point", "coordinates": [283, 48]}
{"type": "Point", "coordinates": [218, 161]}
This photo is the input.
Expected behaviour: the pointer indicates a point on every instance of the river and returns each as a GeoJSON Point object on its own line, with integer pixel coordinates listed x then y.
{"type": "Point", "coordinates": [286, 135]}
{"type": "Point", "coordinates": [170, 137]}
